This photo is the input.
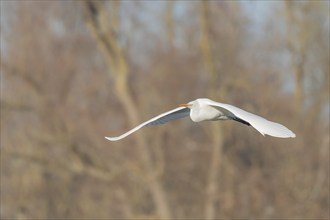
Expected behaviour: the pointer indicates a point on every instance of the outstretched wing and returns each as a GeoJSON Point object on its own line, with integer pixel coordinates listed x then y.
{"type": "Point", "coordinates": [174, 114]}
{"type": "Point", "coordinates": [261, 124]}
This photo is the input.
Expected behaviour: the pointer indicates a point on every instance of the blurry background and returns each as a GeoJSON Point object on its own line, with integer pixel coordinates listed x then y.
{"type": "Point", "coordinates": [73, 72]}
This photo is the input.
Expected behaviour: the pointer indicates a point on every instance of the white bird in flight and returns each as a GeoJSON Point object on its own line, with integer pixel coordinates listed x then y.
{"type": "Point", "coordinates": [207, 110]}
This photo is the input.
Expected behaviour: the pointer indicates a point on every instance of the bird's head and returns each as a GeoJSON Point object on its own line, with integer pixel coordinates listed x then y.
{"type": "Point", "coordinates": [188, 105]}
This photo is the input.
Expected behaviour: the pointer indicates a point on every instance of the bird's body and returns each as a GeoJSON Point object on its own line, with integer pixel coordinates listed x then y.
{"type": "Point", "coordinates": [205, 113]}
{"type": "Point", "coordinates": [207, 110]}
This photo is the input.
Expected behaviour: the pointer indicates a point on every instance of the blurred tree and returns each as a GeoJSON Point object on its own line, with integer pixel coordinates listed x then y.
{"type": "Point", "coordinates": [304, 25]}
{"type": "Point", "coordinates": [297, 40]}
{"type": "Point", "coordinates": [169, 20]}
{"type": "Point", "coordinates": [217, 133]}
{"type": "Point", "coordinates": [64, 87]}
{"type": "Point", "coordinates": [105, 29]}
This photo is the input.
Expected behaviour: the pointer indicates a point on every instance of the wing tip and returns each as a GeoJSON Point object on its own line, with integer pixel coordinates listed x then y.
{"type": "Point", "coordinates": [290, 135]}
{"type": "Point", "coordinates": [110, 138]}
{"type": "Point", "coordinates": [282, 134]}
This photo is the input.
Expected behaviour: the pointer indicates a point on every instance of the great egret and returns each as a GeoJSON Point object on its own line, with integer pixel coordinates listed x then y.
{"type": "Point", "coordinates": [207, 110]}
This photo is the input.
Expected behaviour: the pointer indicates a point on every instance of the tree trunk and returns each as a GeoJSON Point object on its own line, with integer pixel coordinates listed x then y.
{"type": "Point", "coordinates": [217, 138]}
{"type": "Point", "coordinates": [105, 31]}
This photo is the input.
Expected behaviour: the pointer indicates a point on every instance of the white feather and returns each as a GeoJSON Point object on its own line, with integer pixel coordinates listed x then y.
{"type": "Point", "coordinates": [261, 124]}
{"type": "Point", "coordinates": [206, 109]}
{"type": "Point", "coordinates": [167, 116]}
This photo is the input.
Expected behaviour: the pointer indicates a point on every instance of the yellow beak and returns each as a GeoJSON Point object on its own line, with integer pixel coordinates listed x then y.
{"type": "Point", "coordinates": [185, 105]}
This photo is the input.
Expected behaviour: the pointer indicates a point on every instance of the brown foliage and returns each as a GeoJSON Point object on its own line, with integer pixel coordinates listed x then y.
{"type": "Point", "coordinates": [74, 72]}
